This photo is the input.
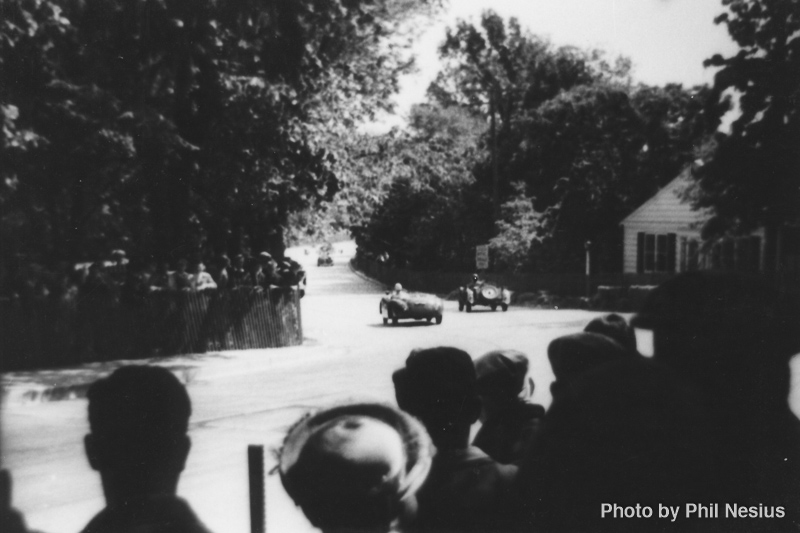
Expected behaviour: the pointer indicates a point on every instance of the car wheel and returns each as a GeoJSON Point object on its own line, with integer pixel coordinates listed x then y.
{"type": "Point", "coordinates": [439, 319]}
{"type": "Point", "coordinates": [469, 307]}
{"type": "Point", "coordinates": [505, 307]}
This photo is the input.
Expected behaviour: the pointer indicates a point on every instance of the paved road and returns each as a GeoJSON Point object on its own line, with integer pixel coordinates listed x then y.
{"type": "Point", "coordinates": [248, 397]}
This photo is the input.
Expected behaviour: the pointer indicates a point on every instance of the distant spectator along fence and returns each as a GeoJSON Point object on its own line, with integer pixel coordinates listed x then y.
{"type": "Point", "coordinates": [47, 332]}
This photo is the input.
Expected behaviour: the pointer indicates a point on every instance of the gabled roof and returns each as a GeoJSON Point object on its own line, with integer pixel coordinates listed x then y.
{"type": "Point", "coordinates": [667, 206]}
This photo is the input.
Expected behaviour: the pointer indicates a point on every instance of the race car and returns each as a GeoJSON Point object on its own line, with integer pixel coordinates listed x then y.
{"type": "Point", "coordinates": [483, 293]}
{"type": "Point", "coordinates": [324, 258]}
{"type": "Point", "coordinates": [400, 303]}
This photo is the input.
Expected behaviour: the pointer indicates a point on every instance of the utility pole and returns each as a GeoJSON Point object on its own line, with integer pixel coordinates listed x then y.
{"type": "Point", "coordinates": [588, 247]}
{"type": "Point", "coordinates": [495, 178]}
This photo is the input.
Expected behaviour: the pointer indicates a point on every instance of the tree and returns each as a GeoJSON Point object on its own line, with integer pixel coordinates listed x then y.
{"type": "Point", "coordinates": [594, 153]}
{"type": "Point", "coordinates": [178, 127]}
{"type": "Point", "coordinates": [517, 230]}
{"type": "Point", "coordinates": [751, 176]}
{"type": "Point", "coordinates": [421, 209]}
{"type": "Point", "coordinates": [500, 71]}
{"type": "Point", "coordinates": [578, 147]}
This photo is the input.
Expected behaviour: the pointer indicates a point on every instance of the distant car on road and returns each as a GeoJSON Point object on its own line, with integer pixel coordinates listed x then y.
{"type": "Point", "coordinates": [400, 304]}
{"type": "Point", "coordinates": [483, 293]}
{"type": "Point", "coordinates": [324, 258]}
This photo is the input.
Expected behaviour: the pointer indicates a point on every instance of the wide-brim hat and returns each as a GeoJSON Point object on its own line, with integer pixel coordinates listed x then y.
{"type": "Point", "coordinates": [501, 372]}
{"type": "Point", "coordinates": [353, 465]}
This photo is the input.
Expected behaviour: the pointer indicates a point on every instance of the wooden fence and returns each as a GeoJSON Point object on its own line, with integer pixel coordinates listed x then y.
{"type": "Point", "coordinates": [44, 333]}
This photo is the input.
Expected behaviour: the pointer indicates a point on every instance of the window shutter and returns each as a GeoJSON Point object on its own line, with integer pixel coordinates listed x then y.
{"type": "Point", "coordinates": [671, 246]}
{"type": "Point", "coordinates": [640, 252]}
{"type": "Point", "coordinates": [755, 254]}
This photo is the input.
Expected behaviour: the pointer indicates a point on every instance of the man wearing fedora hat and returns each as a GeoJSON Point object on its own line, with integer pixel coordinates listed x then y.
{"type": "Point", "coordinates": [508, 421]}
{"type": "Point", "coordinates": [356, 467]}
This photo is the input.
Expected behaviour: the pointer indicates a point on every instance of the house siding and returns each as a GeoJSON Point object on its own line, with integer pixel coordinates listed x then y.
{"type": "Point", "coordinates": [663, 214]}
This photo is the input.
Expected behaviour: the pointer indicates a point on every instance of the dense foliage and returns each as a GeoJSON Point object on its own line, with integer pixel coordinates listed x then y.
{"type": "Point", "coordinates": [182, 127]}
{"type": "Point", "coordinates": [422, 212]}
{"type": "Point", "coordinates": [568, 148]}
{"type": "Point", "coordinates": [751, 176]}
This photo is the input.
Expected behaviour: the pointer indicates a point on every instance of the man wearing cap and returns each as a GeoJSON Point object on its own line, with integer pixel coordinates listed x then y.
{"type": "Point", "coordinates": [356, 467]}
{"type": "Point", "coordinates": [474, 285]}
{"type": "Point", "coordinates": [269, 269]}
{"type": "Point", "coordinates": [508, 421]}
{"type": "Point", "coordinates": [616, 328]}
{"type": "Point", "coordinates": [238, 274]}
{"type": "Point", "coordinates": [466, 490]}
{"type": "Point", "coordinates": [572, 355]}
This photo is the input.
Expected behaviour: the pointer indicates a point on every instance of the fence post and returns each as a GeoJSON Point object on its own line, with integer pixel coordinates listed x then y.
{"type": "Point", "coordinates": [255, 471]}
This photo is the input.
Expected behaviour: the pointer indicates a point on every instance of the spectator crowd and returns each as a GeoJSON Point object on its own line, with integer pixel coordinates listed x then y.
{"type": "Point", "coordinates": [705, 420]}
{"type": "Point", "coordinates": [123, 278]}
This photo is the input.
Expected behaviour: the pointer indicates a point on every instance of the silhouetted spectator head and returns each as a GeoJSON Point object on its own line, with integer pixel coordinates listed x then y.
{"type": "Point", "coordinates": [626, 432]}
{"type": "Point", "coordinates": [238, 261]}
{"type": "Point", "coordinates": [181, 265]}
{"type": "Point", "coordinates": [572, 355]}
{"type": "Point", "coordinates": [139, 418]}
{"type": "Point", "coordinates": [224, 261]}
{"type": "Point", "coordinates": [438, 386]}
{"type": "Point", "coordinates": [730, 334]}
{"type": "Point", "coordinates": [614, 327]}
{"type": "Point", "coordinates": [501, 374]}
{"type": "Point", "coordinates": [356, 467]}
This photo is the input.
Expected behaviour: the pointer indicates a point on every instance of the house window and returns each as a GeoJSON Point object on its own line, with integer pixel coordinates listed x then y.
{"type": "Point", "coordinates": [655, 252]}
{"type": "Point", "coordinates": [690, 251]}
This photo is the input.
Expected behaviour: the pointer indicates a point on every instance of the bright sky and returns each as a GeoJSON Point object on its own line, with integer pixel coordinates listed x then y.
{"type": "Point", "coordinates": [667, 40]}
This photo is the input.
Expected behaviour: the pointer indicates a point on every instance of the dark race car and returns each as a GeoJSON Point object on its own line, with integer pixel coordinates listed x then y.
{"type": "Point", "coordinates": [399, 304]}
{"type": "Point", "coordinates": [324, 258]}
{"type": "Point", "coordinates": [483, 293]}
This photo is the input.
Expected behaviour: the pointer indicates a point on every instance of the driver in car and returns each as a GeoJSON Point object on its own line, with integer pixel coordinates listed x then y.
{"type": "Point", "coordinates": [398, 290]}
{"type": "Point", "coordinates": [474, 285]}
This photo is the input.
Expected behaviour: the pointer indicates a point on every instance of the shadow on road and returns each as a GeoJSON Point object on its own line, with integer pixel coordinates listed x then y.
{"type": "Point", "coordinates": [414, 324]}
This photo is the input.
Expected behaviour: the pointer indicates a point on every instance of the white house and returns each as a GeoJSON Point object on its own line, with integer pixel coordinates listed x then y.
{"type": "Point", "coordinates": [663, 235]}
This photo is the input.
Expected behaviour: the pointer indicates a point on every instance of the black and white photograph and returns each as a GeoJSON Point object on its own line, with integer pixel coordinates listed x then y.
{"type": "Point", "coordinates": [399, 266]}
